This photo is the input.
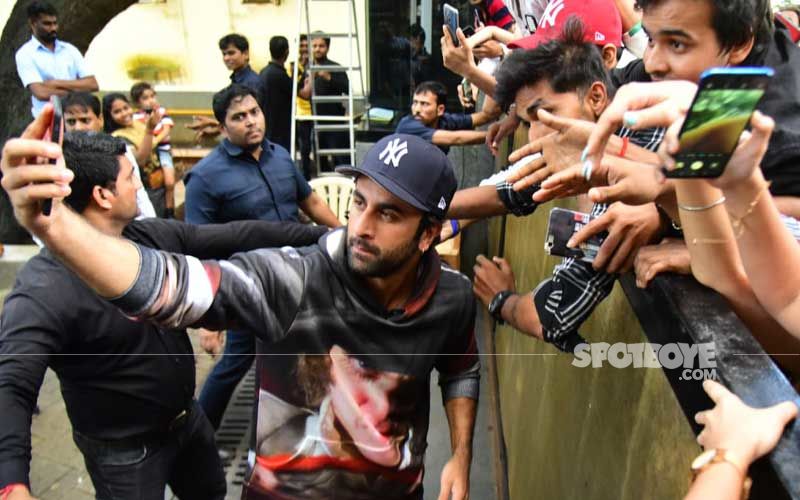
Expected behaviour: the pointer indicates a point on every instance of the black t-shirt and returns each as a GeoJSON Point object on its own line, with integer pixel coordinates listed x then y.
{"type": "Point", "coordinates": [119, 377]}
{"type": "Point", "coordinates": [781, 163]}
{"type": "Point", "coordinates": [276, 95]}
{"type": "Point", "coordinates": [337, 85]}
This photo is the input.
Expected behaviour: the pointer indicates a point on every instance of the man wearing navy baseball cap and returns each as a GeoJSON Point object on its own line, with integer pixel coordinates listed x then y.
{"type": "Point", "coordinates": [355, 323]}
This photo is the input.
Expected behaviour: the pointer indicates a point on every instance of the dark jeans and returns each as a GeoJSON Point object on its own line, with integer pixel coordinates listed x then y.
{"type": "Point", "coordinates": [186, 459]}
{"type": "Point", "coordinates": [305, 131]}
{"type": "Point", "coordinates": [240, 348]}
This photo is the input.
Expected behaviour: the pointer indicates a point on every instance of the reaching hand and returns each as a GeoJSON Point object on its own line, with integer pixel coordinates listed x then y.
{"type": "Point", "coordinates": [745, 159]}
{"type": "Point", "coordinates": [614, 179]}
{"type": "Point", "coordinates": [489, 48]}
{"type": "Point", "coordinates": [457, 59]}
{"type": "Point", "coordinates": [212, 341]}
{"type": "Point", "coordinates": [639, 106]}
{"type": "Point", "coordinates": [560, 150]}
{"type": "Point", "coordinates": [669, 256]}
{"type": "Point", "coordinates": [467, 102]}
{"type": "Point", "coordinates": [492, 277]}
{"type": "Point", "coordinates": [500, 130]}
{"type": "Point", "coordinates": [629, 229]}
{"type": "Point", "coordinates": [29, 179]}
{"type": "Point", "coordinates": [742, 431]}
{"type": "Point", "coordinates": [204, 126]}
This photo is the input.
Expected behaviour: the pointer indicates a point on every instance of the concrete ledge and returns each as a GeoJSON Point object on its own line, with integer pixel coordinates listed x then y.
{"type": "Point", "coordinates": [13, 259]}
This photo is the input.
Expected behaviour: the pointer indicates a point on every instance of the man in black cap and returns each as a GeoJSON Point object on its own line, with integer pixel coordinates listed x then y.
{"type": "Point", "coordinates": [353, 326]}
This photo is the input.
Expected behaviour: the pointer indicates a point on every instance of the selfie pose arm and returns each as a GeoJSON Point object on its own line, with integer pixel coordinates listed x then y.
{"type": "Point", "coordinates": [169, 289]}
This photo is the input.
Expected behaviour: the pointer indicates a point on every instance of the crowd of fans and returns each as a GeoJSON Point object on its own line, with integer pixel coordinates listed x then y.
{"type": "Point", "coordinates": [601, 87]}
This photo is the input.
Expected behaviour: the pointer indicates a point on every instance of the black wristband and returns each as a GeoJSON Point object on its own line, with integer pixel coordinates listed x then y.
{"type": "Point", "coordinates": [497, 303]}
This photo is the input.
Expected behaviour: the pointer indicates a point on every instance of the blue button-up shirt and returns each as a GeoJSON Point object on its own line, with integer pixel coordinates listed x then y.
{"type": "Point", "coordinates": [229, 184]}
{"type": "Point", "coordinates": [36, 63]}
{"type": "Point", "coordinates": [247, 77]}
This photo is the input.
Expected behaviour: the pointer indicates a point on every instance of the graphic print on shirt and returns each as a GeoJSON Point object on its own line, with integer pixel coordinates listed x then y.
{"type": "Point", "coordinates": [338, 423]}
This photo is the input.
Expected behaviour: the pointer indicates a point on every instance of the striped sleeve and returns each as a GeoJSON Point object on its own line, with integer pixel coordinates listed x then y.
{"type": "Point", "coordinates": [566, 299]}
{"type": "Point", "coordinates": [499, 14]}
{"type": "Point", "coordinates": [259, 290]}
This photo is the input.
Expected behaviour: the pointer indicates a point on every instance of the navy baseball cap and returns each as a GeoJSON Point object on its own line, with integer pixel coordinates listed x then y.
{"type": "Point", "coordinates": [412, 169]}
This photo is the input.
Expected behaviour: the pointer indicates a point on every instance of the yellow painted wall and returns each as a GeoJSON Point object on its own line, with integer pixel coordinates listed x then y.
{"type": "Point", "coordinates": [584, 433]}
{"type": "Point", "coordinates": [183, 35]}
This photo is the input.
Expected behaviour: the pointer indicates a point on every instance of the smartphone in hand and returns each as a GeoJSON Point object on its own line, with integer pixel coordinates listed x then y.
{"type": "Point", "coordinates": [563, 224]}
{"type": "Point", "coordinates": [451, 22]}
{"type": "Point", "coordinates": [725, 100]}
{"type": "Point", "coordinates": [55, 133]}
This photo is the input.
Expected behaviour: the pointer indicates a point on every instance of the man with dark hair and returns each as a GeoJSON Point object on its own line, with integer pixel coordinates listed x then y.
{"type": "Point", "coordinates": [374, 294]}
{"type": "Point", "coordinates": [304, 128]}
{"type": "Point", "coordinates": [82, 114]}
{"type": "Point", "coordinates": [421, 64]}
{"type": "Point", "coordinates": [688, 37]}
{"type": "Point", "coordinates": [569, 78]}
{"type": "Point", "coordinates": [46, 65]}
{"type": "Point", "coordinates": [245, 177]}
{"type": "Point", "coordinates": [276, 93]}
{"type": "Point", "coordinates": [429, 120]}
{"type": "Point", "coordinates": [331, 81]}
{"type": "Point", "coordinates": [236, 56]}
{"type": "Point", "coordinates": [691, 36]}
{"type": "Point", "coordinates": [128, 386]}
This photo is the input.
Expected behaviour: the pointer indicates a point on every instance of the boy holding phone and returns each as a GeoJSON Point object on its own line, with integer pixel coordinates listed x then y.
{"type": "Point", "coordinates": [143, 96]}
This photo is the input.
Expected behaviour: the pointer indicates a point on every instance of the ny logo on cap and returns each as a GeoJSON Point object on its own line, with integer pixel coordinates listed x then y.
{"type": "Point", "coordinates": [394, 152]}
{"type": "Point", "coordinates": [551, 13]}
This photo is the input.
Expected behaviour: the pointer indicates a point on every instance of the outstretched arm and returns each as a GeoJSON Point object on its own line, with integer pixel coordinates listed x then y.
{"type": "Point", "coordinates": [109, 265]}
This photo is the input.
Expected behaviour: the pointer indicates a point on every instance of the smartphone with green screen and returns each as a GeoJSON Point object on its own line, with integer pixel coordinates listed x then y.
{"type": "Point", "coordinates": [725, 100]}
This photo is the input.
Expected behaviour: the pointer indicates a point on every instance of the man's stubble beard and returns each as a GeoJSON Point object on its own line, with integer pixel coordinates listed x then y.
{"type": "Point", "coordinates": [384, 264]}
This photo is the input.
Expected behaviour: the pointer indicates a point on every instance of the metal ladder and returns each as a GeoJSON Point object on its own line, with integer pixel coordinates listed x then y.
{"type": "Point", "coordinates": [329, 123]}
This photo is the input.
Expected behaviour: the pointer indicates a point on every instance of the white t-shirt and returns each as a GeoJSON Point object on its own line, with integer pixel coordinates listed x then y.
{"type": "Point", "coordinates": [527, 13]}
{"type": "Point", "coordinates": [142, 200]}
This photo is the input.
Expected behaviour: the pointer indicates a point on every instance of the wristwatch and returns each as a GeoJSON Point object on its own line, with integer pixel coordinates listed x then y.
{"type": "Point", "coordinates": [716, 456]}
{"type": "Point", "coordinates": [496, 305]}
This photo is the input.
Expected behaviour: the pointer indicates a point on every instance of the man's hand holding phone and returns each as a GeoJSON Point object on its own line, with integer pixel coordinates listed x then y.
{"type": "Point", "coordinates": [54, 134]}
{"type": "Point", "coordinates": [29, 179]}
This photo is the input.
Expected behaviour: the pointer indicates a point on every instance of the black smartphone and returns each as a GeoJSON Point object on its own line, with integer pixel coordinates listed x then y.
{"type": "Point", "coordinates": [468, 31]}
{"type": "Point", "coordinates": [725, 100]}
{"type": "Point", "coordinates": [563, 224]}
{"type": "Point", "coordinates": [56, 132]}
{"type": "Point", "coordinates": [451, 22]}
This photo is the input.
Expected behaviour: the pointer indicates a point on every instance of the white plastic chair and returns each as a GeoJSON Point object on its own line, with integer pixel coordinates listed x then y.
{"type": "Point", "coordinates": [337, 191]}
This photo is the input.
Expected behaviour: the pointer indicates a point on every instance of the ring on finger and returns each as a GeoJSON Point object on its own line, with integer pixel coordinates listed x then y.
{"type": "Point", "coordinates": [587, 170]}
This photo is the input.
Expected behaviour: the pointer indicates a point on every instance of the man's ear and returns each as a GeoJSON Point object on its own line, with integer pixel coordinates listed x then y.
{"type": "Point", "coordinates": [429, 237]}
{"type": "Point", "coordinates": [223, 131]}
{"type": "Point", "coordinates": [440, 110]}
{"type": "Point", "coordinates": [609, 53]}
{"type": "Point", "coordinates": [597, 98]}
{"type": "Point", "coordinates": [100, 197]}
{"type": "Point", "coordinates": [738, 54]}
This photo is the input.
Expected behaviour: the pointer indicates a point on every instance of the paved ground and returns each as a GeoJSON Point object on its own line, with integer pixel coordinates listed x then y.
{"type": "Point", "coordinates": [58, 473]}
{"type": "Point", "coordinates": [57, 470]}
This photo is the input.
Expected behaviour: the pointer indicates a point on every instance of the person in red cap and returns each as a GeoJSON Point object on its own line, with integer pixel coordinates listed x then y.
{"type": "Point", "coordinates": [567, 78]}
{"type": "Point", "coordinates": [600, 17]}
